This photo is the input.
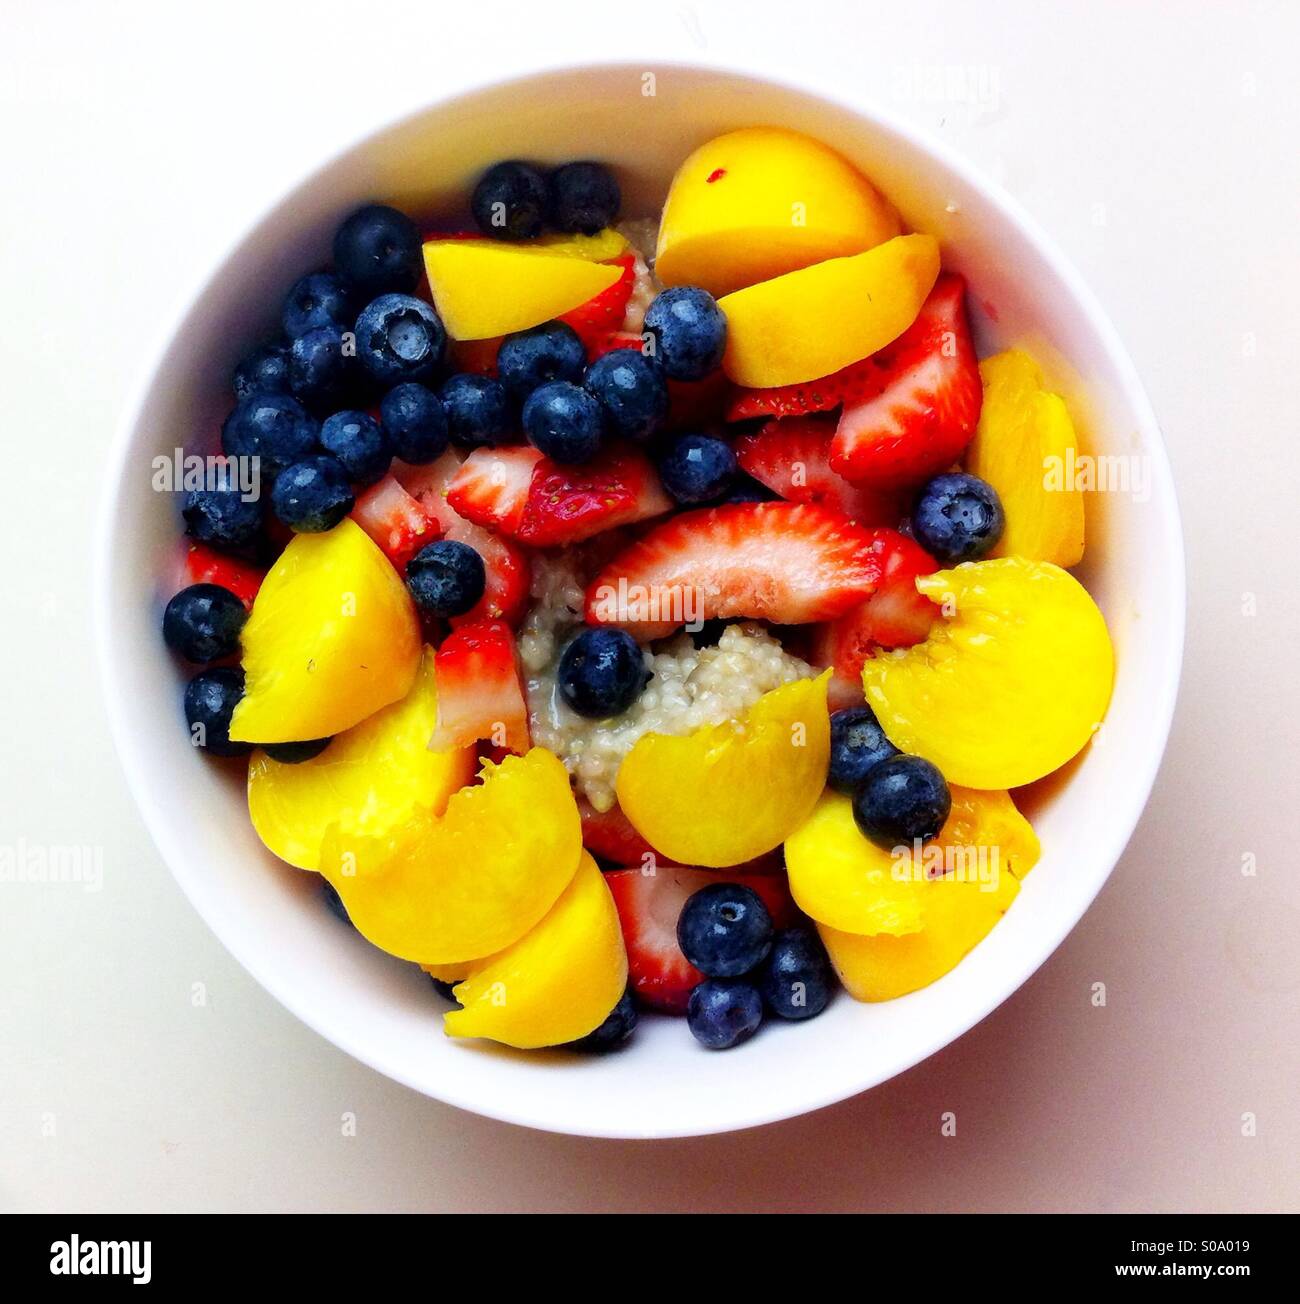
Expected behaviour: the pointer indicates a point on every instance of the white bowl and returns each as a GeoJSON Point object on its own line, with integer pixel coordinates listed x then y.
{"type": "Point", "coordinates": [271, 917]}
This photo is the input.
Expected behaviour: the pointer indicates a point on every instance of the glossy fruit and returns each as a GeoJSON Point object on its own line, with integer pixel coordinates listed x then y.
{"type": "Point", "coordinates": [480, 694]}
{"type": "Point", "coordinates": [689, 331]}
{"type": "Point", "coordinates": [211, 699]}
{"type": "Point", "coordinates": [723, 1012]}
{"type": "Point", "coordinates": [902, 801]}
{"type": "Point", "coordinates": [319, 299]}
{"type": "Point", "coordinates": [957, 517]}
{"type": "Point", "coordinates": [485, 290]}
{"type": "Point", "coordinates": [1023, 446]}
{"type": "Point", "coordinates": [564, 421]}
{"type": "Point", "coordinates": [370, 780]}
{"type": "Point", "coordinates": [377, 251]}
{"type": "Point", "coordinates": [857, 744]}
{"type": "Point", "coordinates": [724, 930]}
{"type": "Point", "coordinates": [530, 358]}
{"type": "Point", "coordinates": [446, 578]}
{"type": "Point", "coordinates": [204, 566]}
{"type": "Point", "coordinates": [463, 886]}
{"type": "Point", "coordinates": [632, 389]}
{"type": "Point", "coordinates": [333, 636]}
{"type": "Point", "coordinates": [795, 980]}
{"type": "Point", "coordinates": [729, 792]}
{"type": "Point", "coordinates": [509, 201]}
{"type": "Point", "coordinates": [812, 322]}
{"type": "Point", "coordinates": [762, 201]}
{"type": "Point", "coordinates": [601, 672]}
{"type": "Point", "coordinates": [594, 321]}
{"type": "Point", "coordinates": [478, 410]}
{"type": "Point", "coordinates": [202, 622]}
{"type": "Point", "coordinates": [1010, 686]}
{"type": "Point", "coordinates": [697, 469]}
{"type": "Point", "coordinates": [313, 495]}
{"type": "Point", "coordinates": [492, 485]}
{"type": "Point", "coordinates": [415, 421]}
{"type": "Point", "coordinates": [582, 197]}
{"type": "Point", "coordinates": [263, 371]}
{"type": "Point", "coordinates": [358, 441]}
{"type": "Point", "coordinates": [274, 428]}
{"type": "Point", "coordinates": [400, 338]}
{"type": "Point", "coordinates": [610, 837]}
{"type": "Point", "coordinates": [323, 372]}
{"type": "Point", "coordinates": [395, 521]}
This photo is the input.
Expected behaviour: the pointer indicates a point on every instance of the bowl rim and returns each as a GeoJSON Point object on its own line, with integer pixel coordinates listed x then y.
{"type": "Point", "coordinates": [129, 748]}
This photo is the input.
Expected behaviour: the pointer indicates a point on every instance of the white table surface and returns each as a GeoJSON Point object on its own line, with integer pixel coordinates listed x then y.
{"type": "Point", "coordinates": [1156, 142]}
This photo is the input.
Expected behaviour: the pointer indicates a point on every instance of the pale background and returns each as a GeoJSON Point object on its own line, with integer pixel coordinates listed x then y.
{"type": "Point", "coordinates": [1156, 143]}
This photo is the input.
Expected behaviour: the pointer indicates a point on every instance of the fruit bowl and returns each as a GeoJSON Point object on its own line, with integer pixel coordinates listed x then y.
{"type": "Point", "coordinates": [377, 1008]}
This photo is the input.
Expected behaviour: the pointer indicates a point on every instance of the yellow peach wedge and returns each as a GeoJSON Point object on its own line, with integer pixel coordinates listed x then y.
{"type": "Point", "coordinates": [371, 778]}
{"type": "Point", "coordinates": [809, 323]}
{"type": "Point", "coordinates": [333, 636]}
{"type": "Point", "coordinates": [444, 890]}
{"type": "Point", "coordinates": [558, 982]}
{"type": "Point", "coordinates": [1024, 435]}
{"type": "Point", "coordinates": [763, 201]}
{"type": "Point", "coordinates": [1011, 682]}
{"type": "Point", "coordinates": [732, 791]}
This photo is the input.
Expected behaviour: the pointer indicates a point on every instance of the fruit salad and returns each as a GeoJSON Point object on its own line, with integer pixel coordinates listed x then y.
{"type": "Point", "coordinates": [643, 614]}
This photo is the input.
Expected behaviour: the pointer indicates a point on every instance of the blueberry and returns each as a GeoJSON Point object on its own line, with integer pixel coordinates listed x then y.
{"type": "Point", "coordinates": [957, 517]}
{"type": "Point", "coordinates": [275, 428]}
{"type": "Point", "coordinates": [745, 489]}
{"type": "Point", "coordinates": [723, 1012]}
{"type": "Point", "coordinates": [400, 337]}
{"type": "Point", "coordinates": [312, 495]}
{"type": "Point", "coordinates": [697, 468]}
{"type": "Point", "coordinates": [690, 332]}
{"type": "Point", "coordinates": [565, 422]}
{"type": "Point", "coordinates": [632, 390]}
{"type": "Point", "coordinates": [210, 700]}
{"type": "Point", "coordinates": [602, 672]}
{"type": "Point", "coordinates": [359, 442]}
{"type": "Point", "coordinates": [202, 623]}
{"type": "Point", "coordinates": [582, 197]}
{"type": "Point", "coordinates": [618, 1027]}
{"type": "Point", "coordinates": [320, 299]}
{"type": "Point", "coordinates": [377, 251]}
{"type": "Point", "coordinates": [901, 800]}
{"type": "Point", "coordinates": [509, 201]}
{"type": "Point", "coordinates": [263, 371]}
{"type": "Point", "coordinates": [322, 368]}
{"type": "Point", "coordinates": [446, 578]}
{"type": "Point", "coordinates": [415, 422]}
{"type": "Point", "coordinates": [478, 410]}
{"type": "Point", "coordinates": [527, 359]}
{"type": "Point", "coordinates": [296, 753]}
{"type": "Point", "coordinates": [795, 980]}
{"type": "Point", "coordinates": [444, 989]}
{"type": "Point", "coordinates": [222, 518]}
{"type": "Point", "coordinates": [724, 930]}
{"type": "Point", "coordinates": [857, 743]}
{"type": "Point", "coordinates": [333, 901]}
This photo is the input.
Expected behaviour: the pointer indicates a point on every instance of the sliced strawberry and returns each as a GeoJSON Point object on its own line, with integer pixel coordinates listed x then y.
{"type": "Point", "coordinates": [429, 484]}
{"type": "Point", "coordinates": [594, 320]}
{"type": "Point", "coordinates": [648, 907]}
{"type": "Point", "coordinates": [790, 563]}
{"type": "Point", "coordinates": [852, 384]}
{"type": "Point", "coordinates": [615, 340]}
{"type": "Point", "coordinates": [922, 420]}
{"type": "Point", "coordinates": [480, 695]}
{"type": "Point", "coordinates": [395, 521]}
{"type": "Point", "coordinates": [491, 487]}
{"type": "Point", "coordinates": [609, 834]}
{"type": "Point", "coordinates": [567, 504]}
{"type": "Point", "coordinates": [792, 458]}
{"type": "Point", "coordinates": [205, 566]}
{"type": "Point", "coordinates": [479, 356]}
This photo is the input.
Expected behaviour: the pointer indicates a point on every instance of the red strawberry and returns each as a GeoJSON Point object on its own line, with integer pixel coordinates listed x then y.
{"type": "Point", "coordinates": [491, 487]}
{"type": "Point", "coordinates": [479, 690]}
{"type": "Point", "coordinates": [696, 403]}
{"type": "Point", "coordinates": [609, 834]}
{"type": "Point", "coordinates": [851, 384]}
{"type": "Point", "coordinates": [596, 318]}
{"type": "Point", "coordinates": [479, 356]}
{"type": "Point", "coordinates": [789, 563]}
{"type": "Point", "coordinates": [395, 521]}
{"type": "Point", "coordinates": [567, 504]}
{"type": "Point", "coordinates": [615, 340]}
{"type": "Point", "coordinates": [792, 458]}
{"type": "Point", "coordinates": [923, 419]}
{"type": "Point", "coordinates": [204, 566]}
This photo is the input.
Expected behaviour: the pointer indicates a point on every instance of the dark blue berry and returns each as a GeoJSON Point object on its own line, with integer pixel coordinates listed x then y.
{"type": "Point", "coordinates": [565, 422]}
{"type": "Point", "coordinates": [901, 800]}
{"type": "Point", "coordinates": [632, 390]}
{"type": "Point", "coordinates": [264, 371]}
{"type": "Point", "coordinates": [400, 337]}
{"type": "Point", "coordinates": [222, 518]}
{"type": "Point", "coordinates": [415, 422]}
{"type": "Point", "coordinates": [312, 495]}
{"type": "Point", "coordinates": [377, 251]}
{"type": "Point", "coordinates": [322, 368]}
{"type": "Point", "coordinates": [333, 901]}
{"type": "Point", "coordinates": [527, 359]}
{"type": "Point", "coordinates": [795, 980]}
{"type": "Point", "coordinates": [296, 753]}
{"type": "Point", "coordinates": [479, 412]}
{"type": "Point", "coordinates": [618, 1026]}
{"type": "Point", "coordinates": [582, 197]}
{"type": "Point", "coordinates": [274, 428]}
{"type": "Point", "coordinates": [745, 489]}
{"type": "Point", "coordinates": [202, 623]}
{"type": "Point", "coordinates": [697, 468]}
{"type": "Point", "coordinates": [509, 201]}
{"type": "Point", "coordinates": [857, 743]}
{"type": "Point", "coordinates": [320, 299]}
{"type": "Point", "coordinates": [723, 1012]}
{"type": "Point", "coordinates": [690, 332]}
{"type": "Point", "coordinates": [724, 930]}
{"type": "Point", "coordinates": [957, 517]}
{"type": "Point", "coordinates": [602, 672]}
{"type": "Point", "coordinates": [210, 700]}
{"type": "Point", "coordinates": [446, 578]}
{"type": "Point", "coordinates": [359, 442]}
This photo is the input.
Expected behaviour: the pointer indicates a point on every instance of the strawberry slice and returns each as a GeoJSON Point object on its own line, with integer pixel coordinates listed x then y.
{"type": "Point", "coordinates": [478, 356]}
{"type": "Point", "coordinates": [615, 340]}
{"type": "Point", "coordinates": [610, 836]}
{"type": "Point", "coordinates": [792, 458]}
{"type": "Point", "coordinates": [790, 563]}
{"type": "Point", "coordinates": [852, 384]}
{"type": "Point", "coordinates": [395, 521]}
{"type": "Point", "coordinates": [203, 565]}
{"type": "Point", "coordinates": [921, 421]}
{"type": "Point", "coordinates": [480, 695]}
{"type": "Point", "coordinates": [648, 907]}
{"type": "Point", "coordinates": [594, 320]}
{"type": "Point", "coordinates": [491, 487]}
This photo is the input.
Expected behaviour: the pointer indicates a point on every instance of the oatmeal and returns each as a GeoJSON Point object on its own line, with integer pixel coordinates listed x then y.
{"type": "Point", "coordinates": [641, 235]}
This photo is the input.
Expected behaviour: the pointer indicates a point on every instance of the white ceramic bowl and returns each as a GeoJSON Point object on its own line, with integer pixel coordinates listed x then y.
{"type": "Point", "coordinates": [381, 1010]}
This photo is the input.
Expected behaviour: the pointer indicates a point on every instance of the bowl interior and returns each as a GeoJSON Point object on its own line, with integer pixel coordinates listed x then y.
{"type": "Point", "coordinates": [382, 1010]}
